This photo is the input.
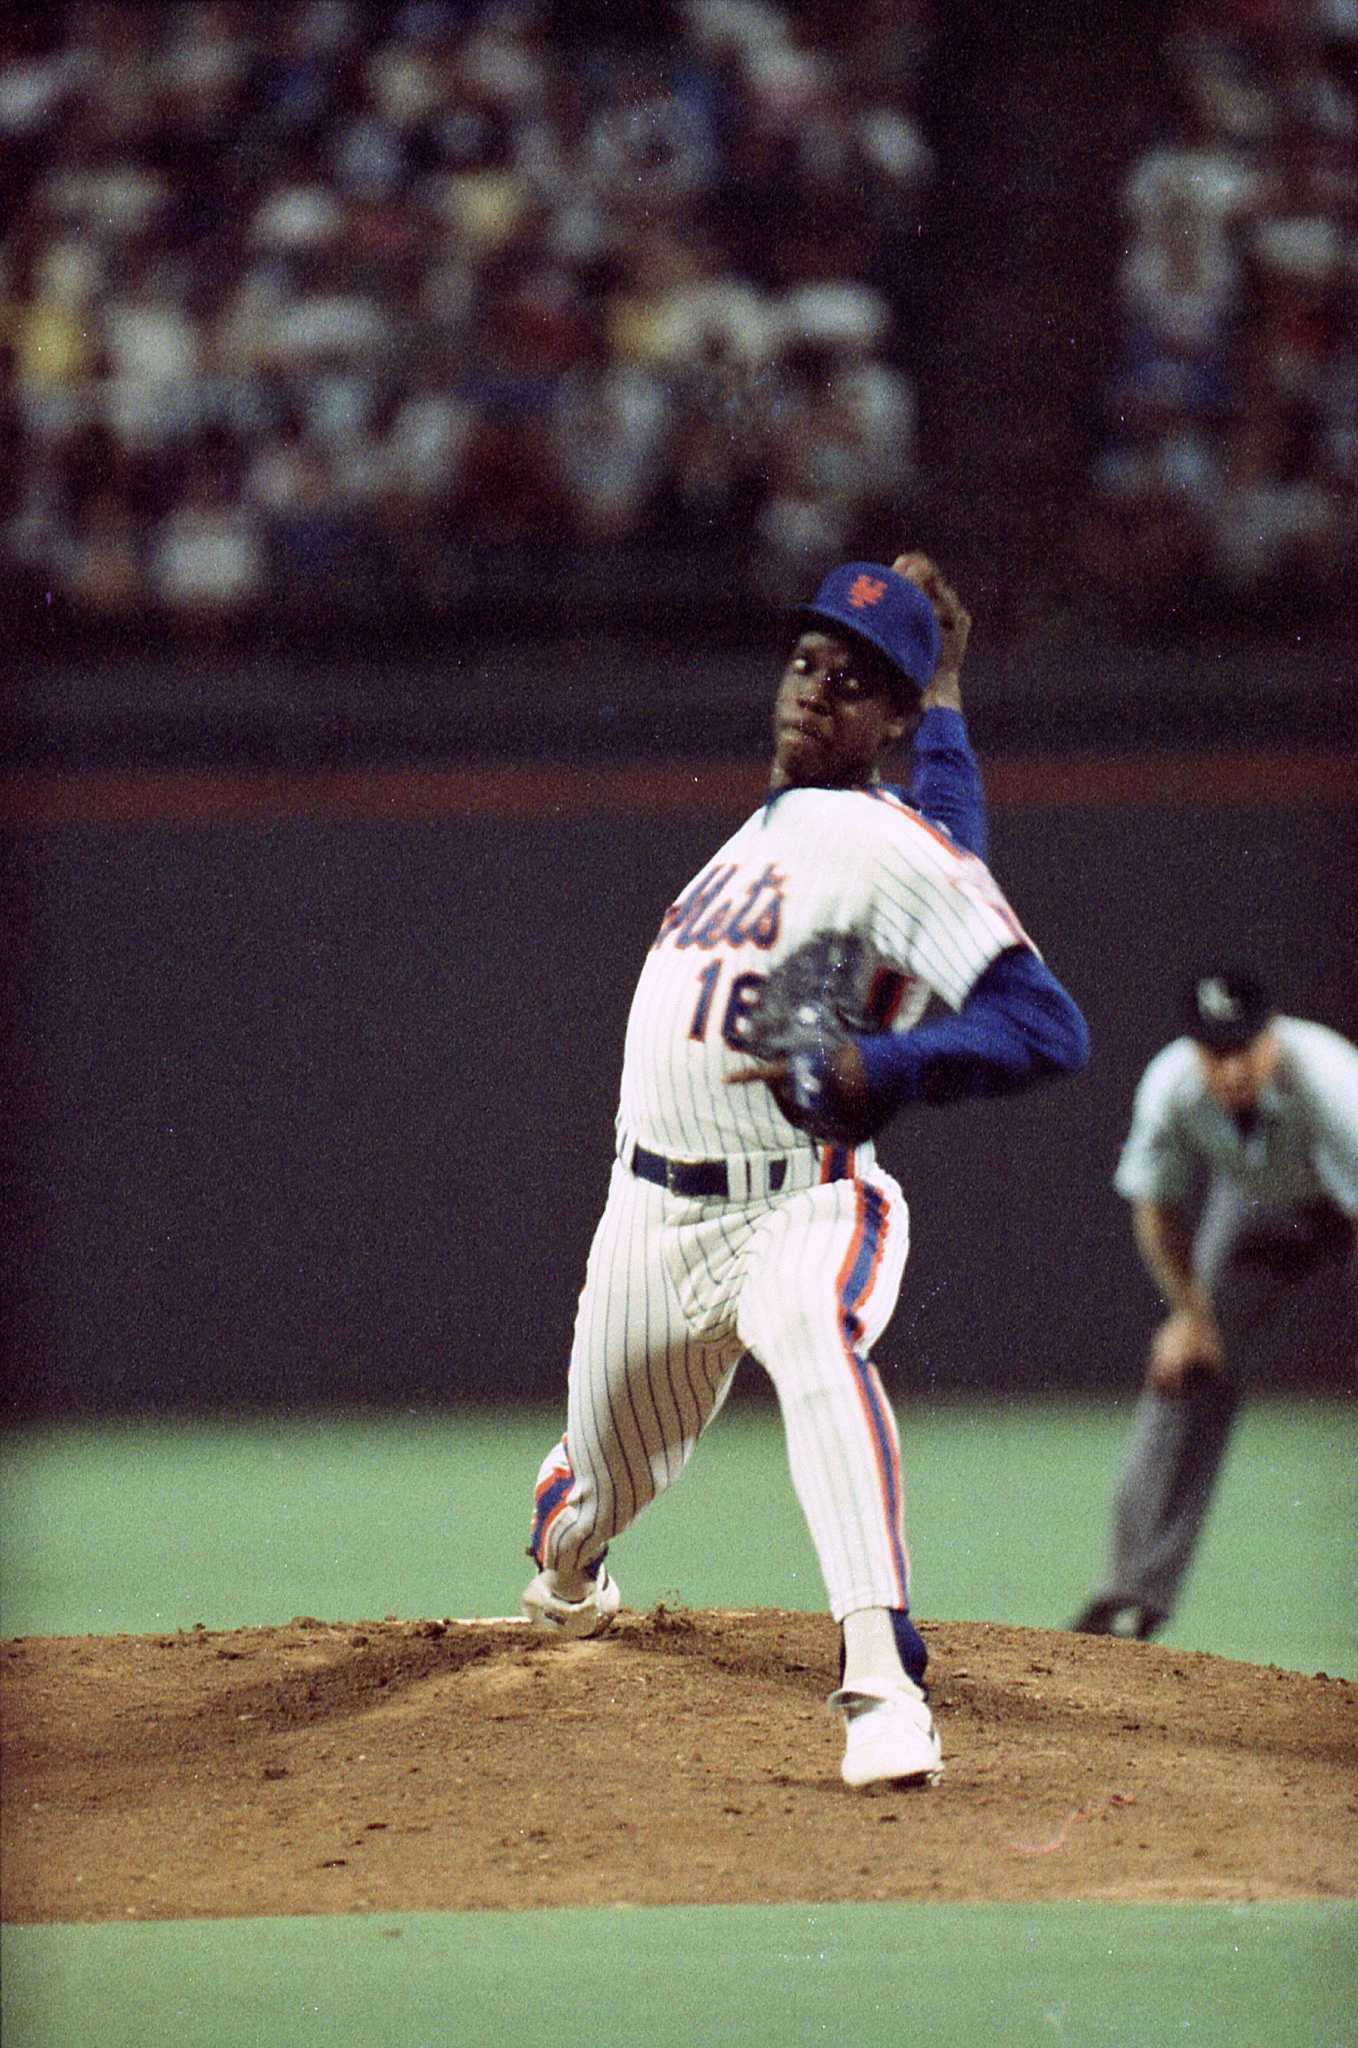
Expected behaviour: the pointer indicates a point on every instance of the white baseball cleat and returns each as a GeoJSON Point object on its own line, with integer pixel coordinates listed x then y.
{"type": "Point", "coordinates": [890, 1736]}
{"type": "Point", "coordinates": [588, 1616]}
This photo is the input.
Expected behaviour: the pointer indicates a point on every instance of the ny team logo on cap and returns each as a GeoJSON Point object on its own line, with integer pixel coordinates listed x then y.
{"type": "Point", "coordinates": [884, 608]}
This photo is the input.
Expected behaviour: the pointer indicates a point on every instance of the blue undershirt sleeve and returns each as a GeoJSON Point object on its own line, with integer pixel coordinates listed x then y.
{"type": "Point", "coordinates": [945, 782]}
{"type": "Point", "coordinates": [1017, 1028]}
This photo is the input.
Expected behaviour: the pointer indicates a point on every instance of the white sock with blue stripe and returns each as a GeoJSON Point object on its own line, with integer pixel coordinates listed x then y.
{"type": "Point", "coordinates": [872, 1655]}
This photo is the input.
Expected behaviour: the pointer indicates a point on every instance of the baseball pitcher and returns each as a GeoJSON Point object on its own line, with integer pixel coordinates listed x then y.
{"type": "Point", "coordinates": [778, 1021]}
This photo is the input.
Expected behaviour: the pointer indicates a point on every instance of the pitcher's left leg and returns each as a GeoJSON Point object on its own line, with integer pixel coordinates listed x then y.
{"type": "Point", "coordinates": [821, 1282]}
{"type": "Point", "coordinates": [822, 1278]}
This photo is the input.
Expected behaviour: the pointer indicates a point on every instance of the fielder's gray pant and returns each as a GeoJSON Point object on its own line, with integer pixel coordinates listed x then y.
{"type": "Point", "coordinates": [1282, 1284]}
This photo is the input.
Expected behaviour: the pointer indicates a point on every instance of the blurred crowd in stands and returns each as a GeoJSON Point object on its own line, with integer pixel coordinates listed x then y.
{"type": "Point", "coordinates": [1229, 456]}
{"type": "Point", "coordinates": [323, 302]}
{"type": "Point", "coordinates": [315, 301]}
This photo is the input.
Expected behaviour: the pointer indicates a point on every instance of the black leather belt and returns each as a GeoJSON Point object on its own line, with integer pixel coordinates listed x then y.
{"type": "Point", "coordinates": [694, 1176]}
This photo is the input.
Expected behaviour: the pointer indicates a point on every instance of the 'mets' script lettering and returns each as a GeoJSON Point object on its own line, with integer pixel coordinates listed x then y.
{"type": "Point", "coordinates": [720, 911]}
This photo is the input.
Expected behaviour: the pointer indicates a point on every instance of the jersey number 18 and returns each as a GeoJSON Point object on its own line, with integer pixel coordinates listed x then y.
{"type": "Point", "coordinates": [740, 998]}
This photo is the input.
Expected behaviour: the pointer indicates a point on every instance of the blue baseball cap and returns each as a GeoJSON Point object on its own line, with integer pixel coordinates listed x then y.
{"type": "Point", "coordinates": [887, 610]}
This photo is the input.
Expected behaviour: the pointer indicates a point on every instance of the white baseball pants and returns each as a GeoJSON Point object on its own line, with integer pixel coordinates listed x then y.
{"type": "Point", "coordinates": [676, 1291]}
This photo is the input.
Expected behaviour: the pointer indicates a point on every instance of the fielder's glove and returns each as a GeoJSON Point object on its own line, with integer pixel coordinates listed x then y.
{"type": "Point", "coordinates": [809, 1006]}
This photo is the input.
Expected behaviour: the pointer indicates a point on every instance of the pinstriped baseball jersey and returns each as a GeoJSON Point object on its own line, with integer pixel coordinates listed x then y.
{"type": "Point", "coordinates": [853, 860]}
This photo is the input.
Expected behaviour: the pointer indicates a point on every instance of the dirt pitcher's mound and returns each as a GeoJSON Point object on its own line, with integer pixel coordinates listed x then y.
{"type": "Point", "coordinates": [684, 1758]}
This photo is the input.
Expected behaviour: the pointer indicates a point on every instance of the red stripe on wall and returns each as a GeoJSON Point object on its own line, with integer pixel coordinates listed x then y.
{"type": "Point", "coordinates": [376, 795]}
{"type": "Point", "coordinates": [1112, 780]}
{"type": "Point", "coordinates": [662, 788]}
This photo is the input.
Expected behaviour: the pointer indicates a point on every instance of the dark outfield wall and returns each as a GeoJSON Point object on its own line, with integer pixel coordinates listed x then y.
{"type": "Point", "coordinates": [309, 1111]}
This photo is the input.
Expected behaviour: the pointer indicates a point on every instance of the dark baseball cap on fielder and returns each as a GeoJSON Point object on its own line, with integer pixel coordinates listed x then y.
{"type": "Point", "coordinates": [887, 610]}
{"type": "Point", "coordinates": [1226, 1008]}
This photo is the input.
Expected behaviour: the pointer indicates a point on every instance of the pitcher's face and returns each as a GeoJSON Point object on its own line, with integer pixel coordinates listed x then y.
{"type": "Point", "coordinates": [835, 715]}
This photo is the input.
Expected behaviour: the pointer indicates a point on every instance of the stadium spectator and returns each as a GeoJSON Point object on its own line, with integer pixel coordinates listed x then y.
{"type": "Point", "coordinates": [104, 570]}
{"type": "Point", "coordinates": [207, 561]}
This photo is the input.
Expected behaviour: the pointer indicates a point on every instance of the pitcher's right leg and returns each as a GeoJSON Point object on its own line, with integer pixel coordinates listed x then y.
{"type": "Point", "coordinates": [640, 1392]}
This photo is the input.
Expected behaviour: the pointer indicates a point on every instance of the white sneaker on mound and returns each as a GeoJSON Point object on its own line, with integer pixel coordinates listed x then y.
{"type": "Point", "coordinates": [890, 1736]}
{"type": "Point", "coordinates": [588, 1616]}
